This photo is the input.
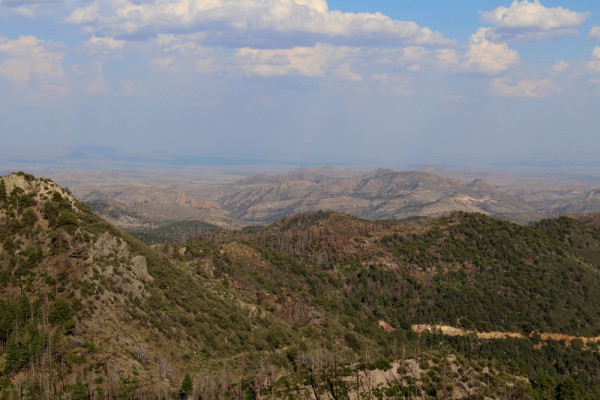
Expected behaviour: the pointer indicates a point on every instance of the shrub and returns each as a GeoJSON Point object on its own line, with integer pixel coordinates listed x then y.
{"type": "Point", "coordinates": [60, 311]}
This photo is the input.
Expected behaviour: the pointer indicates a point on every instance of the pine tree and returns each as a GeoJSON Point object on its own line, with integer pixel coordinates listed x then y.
{"type": "Point", "coordinates": [2, 191]}
{"type": "Point", "coordinates": [79, 391]}
{"type": "Point", "coordinates": [11, 361]}
{"type": "Point", "coordinates": [186, 387]}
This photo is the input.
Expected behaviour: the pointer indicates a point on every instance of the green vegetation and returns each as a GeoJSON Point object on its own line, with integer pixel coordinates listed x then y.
{"type": "Point", "coordinates": [187, 386]}
{"type": "Point", "coordinates": [171, 231]}
{"type": "Point", "coordinates": [292, 310]}
{"type": "Point", "coordinates": [497, 275]}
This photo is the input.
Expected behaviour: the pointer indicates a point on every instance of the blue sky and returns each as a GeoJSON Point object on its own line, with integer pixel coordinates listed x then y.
{"type": "Point", "coordinates": [379, 83]}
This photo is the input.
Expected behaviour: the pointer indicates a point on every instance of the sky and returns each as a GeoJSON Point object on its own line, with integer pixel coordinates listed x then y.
{"type": "Point", "coordinates": [344, 82]}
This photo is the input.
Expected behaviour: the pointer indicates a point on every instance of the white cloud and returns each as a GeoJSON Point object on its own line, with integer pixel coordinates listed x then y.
{"type": "Point", "coordinates": [447, 58]}
{"type": "Point", "coordinates": [560, 66]}
{"type": "Point", "coordinates": [594, 33]}
{"type": "Point", "coordinates": [303, 61]}
{"type": "Point", "coordinates": [84, 15]}
{"type": "Point", "coordinates": [31, 8]}
{"type": "Point", "coordinates": [594, 64]}
{"type": "Point", "coordinates": [345, 72]}
{"type": "Point", "coordinates": [505, 87]}
{"type": "Point", "coordinates": [25, 11]}
{"type": "Point", "coordinates": [103, 46]}
{"type": "Point", "coordinates": [164, 64]}
{"type": "Point", "coordinates": [181, 51]}
{"type": "Point", "coordinates": [98, 86]}
{"type": "Point", "coordinates": [207, 65]}
{"type": "Point", "coordinates": [184, 53]}
{"type": "Point", "coordinates": [184, 45]}
{"type": "Point", "coordinates": [488, 57]}
{"type": "Point", "coordinates": [248, 23]}
{"type": "Point", "coordinates": [27, 58]}
{"type": "Point", "coordinates": [410, 58]}
{"type": "Point", "coordinates": [525, 20]}
{"type": "Point", "coordinates": [498, 34]}
{"type": "Point", "coordinates": [533, 15]}
{"type": "Point", "coordinates": [413, 57]}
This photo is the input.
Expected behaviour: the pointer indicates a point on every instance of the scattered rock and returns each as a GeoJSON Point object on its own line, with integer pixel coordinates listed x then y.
{"type": "Point", "coordinates": [140, 268]}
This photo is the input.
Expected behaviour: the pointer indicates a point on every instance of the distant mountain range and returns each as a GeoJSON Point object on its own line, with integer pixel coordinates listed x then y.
{"type": "Point", "coordinates": [378, 194]}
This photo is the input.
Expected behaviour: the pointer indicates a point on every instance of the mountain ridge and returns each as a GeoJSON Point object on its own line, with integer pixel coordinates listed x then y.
{"type": "Point", "coordinates": [290, 309]}
{"type": "Point", "coordinates": [379, 194]}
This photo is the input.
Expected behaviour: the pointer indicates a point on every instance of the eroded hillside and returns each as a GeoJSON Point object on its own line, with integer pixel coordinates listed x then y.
{"type": "Point", "coordinates": [316, 305]}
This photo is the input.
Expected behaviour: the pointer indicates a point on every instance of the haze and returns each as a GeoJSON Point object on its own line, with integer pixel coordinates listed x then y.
{"type": "Point", "coordinates": [301, 81]}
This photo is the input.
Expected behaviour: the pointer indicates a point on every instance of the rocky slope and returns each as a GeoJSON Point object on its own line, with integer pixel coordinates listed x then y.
{"type": "Point", "coordinates": [379, 194]}
{"type": "Point", "coordinates": [316, 305]}
{"type": "Point", "coordinates": [587, 203]}
{"type": "Point", "coordinates": [86, 306]}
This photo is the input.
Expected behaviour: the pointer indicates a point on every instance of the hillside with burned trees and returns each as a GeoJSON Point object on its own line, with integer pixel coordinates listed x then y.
{"type": "Point", "coordinates": [318, 305]}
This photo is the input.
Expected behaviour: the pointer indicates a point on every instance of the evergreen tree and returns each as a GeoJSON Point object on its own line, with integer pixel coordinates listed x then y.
{"type": "Point", "coordinates": [11, 362]}
{"type": "Point", "coordinates": [567, 390]}
{"type": "Point", "coordinates": [2, 191]}
{"type": "Point", "coordinates": [186, 387]}
{"type": "Point", "coordinates": [79, 391]}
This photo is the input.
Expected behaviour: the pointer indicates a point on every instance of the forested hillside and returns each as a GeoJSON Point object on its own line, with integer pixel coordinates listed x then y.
{"type": "Point", "coordinates": [319, 305]}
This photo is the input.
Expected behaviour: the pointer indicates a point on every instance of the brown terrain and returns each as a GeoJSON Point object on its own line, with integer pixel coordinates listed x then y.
{"type": "Point", "coordinates": [544, 336]}
{"type": "Point", "coordinates": [209, 304]}
{"type": "Point", "coordinates": [229, 199]}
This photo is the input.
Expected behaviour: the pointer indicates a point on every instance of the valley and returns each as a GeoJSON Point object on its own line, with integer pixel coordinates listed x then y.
{"type": "Point", "coordinates": [161, 204]}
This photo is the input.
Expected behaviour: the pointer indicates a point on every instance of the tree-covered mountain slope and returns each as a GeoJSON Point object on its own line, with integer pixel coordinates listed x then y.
{"type": "Point", "coordinates": [82, 303]}
{"type": "Point", "coordinates": [468, 270]}
{"type": "Point", "coordinates": [318, 305]}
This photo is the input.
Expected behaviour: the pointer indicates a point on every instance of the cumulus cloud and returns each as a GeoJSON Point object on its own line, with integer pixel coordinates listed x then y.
{"type": "Point", "coordinates": [104, 46]}
{"type": "Point", "coordinates": [303, 61]}
{"type": "Point", "coordinates": [28, 58]}
{"type": "Point", "coordinates": [525, 14]}
{"type": "Point", "coordinates": [506, 87]}
{"type": "Point", "coordinates": [84, 15]}
{"type": "Point", "coordinates": [25, 11]}
{"type": "Point", "coordinates": [525, 20]}
{"type": "Point", "coordinates": [345, 72]}
{"type": "Point", "coordinates": [594, 33]}
{"type": "Point", "coordinates": [488, 57]}
{"type": "Point", "coordinates": [33, 8]}
{"type": "Point", "coordinates": [248, 23]}
{"type": "Point", "coordinates": [165, 64]}
{"type": "Point", "coordinates": [29, 2]}
{"type": "Point", "coordinates": [594, 64]}
{"type": "Point", "coordinates": [184, 51]}
{"type": "Point", "coordinates": [184, 45]}
{"type": "Point", "coordinates": [447, 58]}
